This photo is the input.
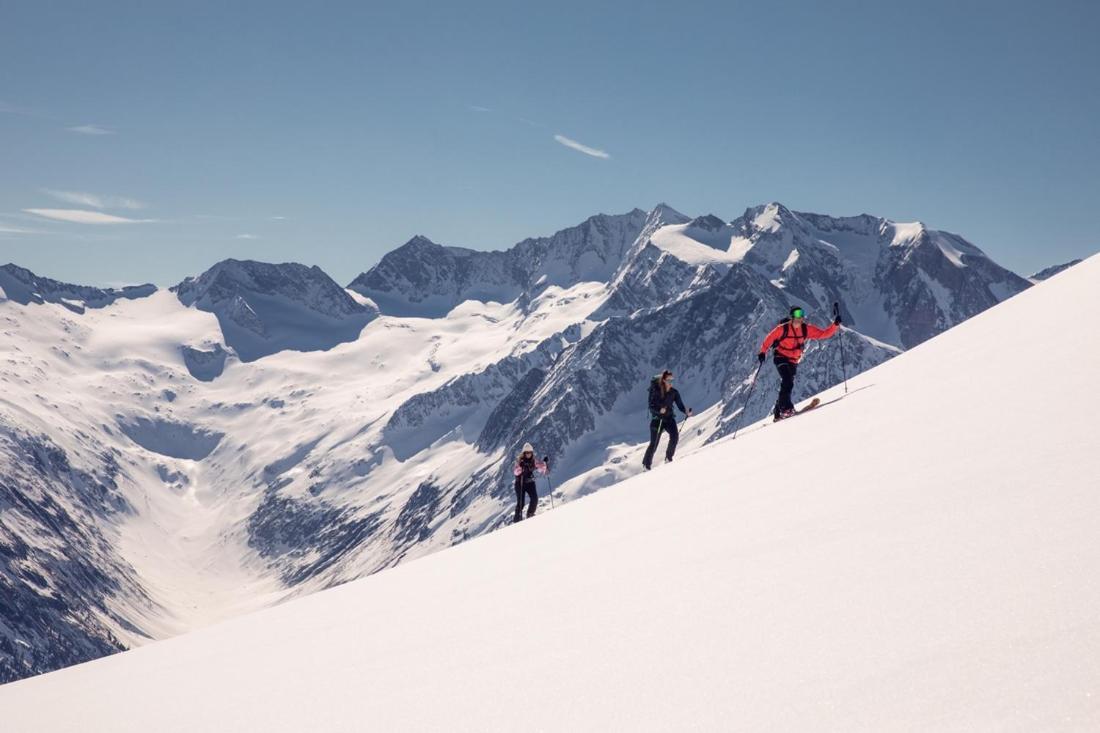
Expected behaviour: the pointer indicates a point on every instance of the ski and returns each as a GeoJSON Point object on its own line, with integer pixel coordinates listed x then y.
{"type": "Point", "coordinates": [813, 403]}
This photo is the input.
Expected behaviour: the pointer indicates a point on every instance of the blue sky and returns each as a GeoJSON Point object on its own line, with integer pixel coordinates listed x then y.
{"type": "Point", "coordinates": [329, 133]}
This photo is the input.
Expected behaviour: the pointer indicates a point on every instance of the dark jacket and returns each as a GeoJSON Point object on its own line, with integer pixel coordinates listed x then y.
{"type": "Point", "coordinates": [667, 400]}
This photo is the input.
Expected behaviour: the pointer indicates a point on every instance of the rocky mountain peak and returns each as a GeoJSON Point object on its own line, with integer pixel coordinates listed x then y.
{"type": "Point", "coordinates": [22, 286]}
{"type": "Point", "coordinates": [263, 307]}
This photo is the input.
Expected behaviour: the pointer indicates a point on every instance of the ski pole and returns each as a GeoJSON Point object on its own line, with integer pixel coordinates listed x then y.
{"type": "Point", "coordinates": [745, 406]}
{"type": "Point", "coordinates": [549, 484]}
{"type": "Point", "coordinates": [843, 362]}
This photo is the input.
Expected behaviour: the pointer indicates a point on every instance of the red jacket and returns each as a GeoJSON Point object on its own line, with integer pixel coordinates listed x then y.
{"type": "Point", "coordinates": [791, 346]}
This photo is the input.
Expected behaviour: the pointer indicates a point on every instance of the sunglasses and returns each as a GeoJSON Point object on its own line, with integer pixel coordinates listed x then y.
{"type": "Point", "coordinates": [796, 313]}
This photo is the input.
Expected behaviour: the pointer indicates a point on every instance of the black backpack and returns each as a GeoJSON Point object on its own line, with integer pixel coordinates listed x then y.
{"type": "Point", "coordinates": [786, 324]}
{"type": "Point", "coordinates": [654, 390]}
{"type": "Point", "coordinates": [655, 395]}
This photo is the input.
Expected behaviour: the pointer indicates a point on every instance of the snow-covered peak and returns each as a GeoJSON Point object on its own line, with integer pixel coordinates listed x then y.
{"type": "Point", "coordinates": [307, 286]}
{"type": "Point", "coordinates": [22, 286]}
{"type": "Point", "coordinates": [898, 282]}
{"type": "Point", "coordinates": [769, 217]}
{"type": "Point", "coordinates": [663, 214]}
{"type": "Point", "coordinates": [903, 233]}
{"type": "Point", "coordinates": [422, 278]}
{"type": "Point", "coordinates": [263, 307]}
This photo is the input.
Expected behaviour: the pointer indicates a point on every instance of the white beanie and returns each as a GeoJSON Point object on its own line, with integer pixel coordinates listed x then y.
{"type": "Point", "coordinates": [527, 448]}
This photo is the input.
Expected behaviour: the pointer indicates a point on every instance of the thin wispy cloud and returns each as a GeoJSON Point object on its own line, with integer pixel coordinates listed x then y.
{"type": "Point", "coordinates": [278, 218]}
{"type": "Point", "coordinates": [580, 147]}
{"type": "Point", "coordinates": [8, 229]}
{"type": "Point", "coordinates": [82, 198]}
{"type": "Point", "coordinates": [246, 236]}
{"type": "Point", "coordinates": [90, 130]}
{"type": "Point", "coordinates": [478, 108]}
{"type": "Point", "coordinates": [82, 216]}
{"type": "Point", "coordinates": [12, 109]}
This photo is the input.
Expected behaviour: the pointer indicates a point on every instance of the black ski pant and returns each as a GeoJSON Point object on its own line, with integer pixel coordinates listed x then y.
{"type": "Point", "coordinates": [787, 370]}
{"type": "Point", "coordinates": [527, 487]}
{"type": "Point", "coordinates": [662, 424]}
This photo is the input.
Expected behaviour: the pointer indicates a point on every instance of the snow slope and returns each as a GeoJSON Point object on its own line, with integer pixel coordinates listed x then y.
{"type": "Point", "coordinates": [920, 554]}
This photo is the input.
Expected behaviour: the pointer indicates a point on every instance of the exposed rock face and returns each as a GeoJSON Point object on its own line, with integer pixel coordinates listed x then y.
{"type": "Point", "coordinates": [205, 365]}
{"type": "Point", "coordinates": [62, 582]}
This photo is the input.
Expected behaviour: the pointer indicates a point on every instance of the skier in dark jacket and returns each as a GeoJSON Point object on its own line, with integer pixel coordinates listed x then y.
{"type": "Point", "coordinates": [662, 397]}
{"type": "Point", "coordinates": [789, 339]}
{"type": "Point", "coordinates": [524, 471]}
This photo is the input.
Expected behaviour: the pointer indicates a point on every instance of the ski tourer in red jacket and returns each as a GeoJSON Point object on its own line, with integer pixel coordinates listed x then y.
{"type": "Point", "coordinates": [790, 339]}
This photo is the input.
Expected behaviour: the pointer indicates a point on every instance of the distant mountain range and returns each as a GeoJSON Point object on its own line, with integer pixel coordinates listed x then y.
{"type": "Point", "coordinates": [1049, 272]}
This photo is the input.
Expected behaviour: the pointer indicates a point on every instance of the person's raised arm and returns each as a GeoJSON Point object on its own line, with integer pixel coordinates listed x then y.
{"type": "Point", "coordinates": [813, 332]}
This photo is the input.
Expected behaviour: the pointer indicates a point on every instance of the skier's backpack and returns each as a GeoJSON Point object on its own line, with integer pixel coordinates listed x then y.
{"type": "Point", "coordinates": [654, 391]}
{"type": "Point", "coordinates": [786, 324]}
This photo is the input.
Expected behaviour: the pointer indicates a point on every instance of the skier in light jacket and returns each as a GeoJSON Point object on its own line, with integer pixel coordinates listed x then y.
{"type": "Point", "coordinates": [524, 471]}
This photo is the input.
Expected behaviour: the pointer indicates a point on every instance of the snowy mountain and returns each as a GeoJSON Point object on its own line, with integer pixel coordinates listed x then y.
{"type": "Point", "coordinates": [885, 562]}
{"type": "Point", "coordinates": [264, 308]}
{"type": "Point", "coordinates": [1049, 272]}
{"type": "Point", "coordinates": [898, 283]}
{"type": "Point", "coordinates": [258, 432]}
{"type": "Point", "coordinates": [427, 279]}
{"type": "Point", "coordinates": [23, 286]}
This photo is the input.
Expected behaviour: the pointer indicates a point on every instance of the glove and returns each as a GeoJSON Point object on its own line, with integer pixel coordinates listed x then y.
{"type": "Point", "coordinates": [836, 321]}
{"type": "Point", "coordinates": [760, 357]}
{"type": "Point", "coordinates": [662, 412]}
